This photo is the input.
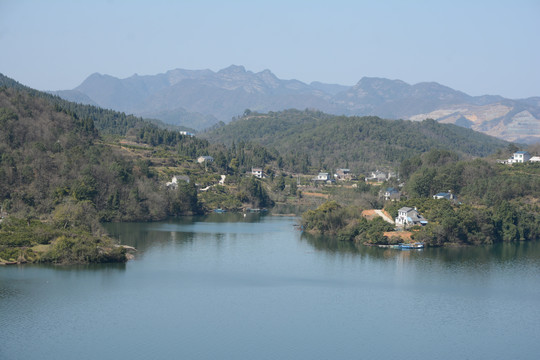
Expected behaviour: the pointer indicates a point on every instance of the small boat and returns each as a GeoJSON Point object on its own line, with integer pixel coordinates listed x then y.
{"type": "Point", "coordinates": [409, 246]}
{"type": "Point", "coordinates": [8, 263]}
{"type": "Point", "coordinates": [220, 211]}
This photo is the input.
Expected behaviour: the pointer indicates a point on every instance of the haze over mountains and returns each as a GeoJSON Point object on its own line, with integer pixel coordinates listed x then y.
{"type": "Point", "coordinates": [201, 98]}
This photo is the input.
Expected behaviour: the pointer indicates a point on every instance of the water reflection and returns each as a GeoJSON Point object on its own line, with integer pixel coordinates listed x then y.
{"type": "Point", "coordinates": [183, 231]}
{"type": "Point", "coordinates": [228, 226]}
{"type": "Point", "coordinates": [26, 280]}
{"type": "Point", "coordinates": [288, 209]}
{"type": "Point", "coordinates": [466, 255]}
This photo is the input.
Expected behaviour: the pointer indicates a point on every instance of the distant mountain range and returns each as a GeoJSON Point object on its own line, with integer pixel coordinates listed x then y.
{"type": "Point", "coordinates": [201, 98]}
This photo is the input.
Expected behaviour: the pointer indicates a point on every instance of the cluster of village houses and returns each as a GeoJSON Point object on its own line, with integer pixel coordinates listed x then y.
{"type": "Point", "coordinates": [406, 216]}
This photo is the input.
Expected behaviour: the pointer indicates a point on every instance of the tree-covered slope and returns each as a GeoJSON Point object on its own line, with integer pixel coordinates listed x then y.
{"type": "Point", "coordinates": [49, 155]}
{"type": "Point", "coordinates": [491, 203]}
{"type": "Point", "coordinates": [58, 181]}
{"type": "Point", "coordinates": [105, 120]}
{"type": "Point", "coordinates": [356, 142]}
{"type": "Point", "coordinates": [496, 202]}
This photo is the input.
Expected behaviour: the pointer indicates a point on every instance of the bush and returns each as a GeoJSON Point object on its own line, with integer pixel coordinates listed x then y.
{"type": "Point", "coordinates": [83, 249]}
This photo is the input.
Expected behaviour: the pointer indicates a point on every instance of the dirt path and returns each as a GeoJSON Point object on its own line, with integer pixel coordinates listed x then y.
{"type": "Point", "coordinates": [385, 216]}
{"type": "Point", "coordinates": [315, 194]}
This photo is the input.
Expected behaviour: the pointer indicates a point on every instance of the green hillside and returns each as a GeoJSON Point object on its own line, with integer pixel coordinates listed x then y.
{"type": "Point", "coordinates": [108, 122]}
{"type": "Point", "coordinates": [59, 180]}
{"type": "Point", "coordinates": [362, 143]}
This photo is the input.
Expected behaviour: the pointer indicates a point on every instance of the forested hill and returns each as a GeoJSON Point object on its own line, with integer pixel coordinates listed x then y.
{"type": "Point", "coordinates": [106, 121]}
{"type": "Point", "coordinates": [357, 142]}
{"type": "Point", "coordinates": [58, 179]}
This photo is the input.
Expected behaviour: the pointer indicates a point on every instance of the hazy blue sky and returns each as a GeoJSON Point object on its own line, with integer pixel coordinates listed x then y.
{"type": "Point", "coordinates": [479, 47]}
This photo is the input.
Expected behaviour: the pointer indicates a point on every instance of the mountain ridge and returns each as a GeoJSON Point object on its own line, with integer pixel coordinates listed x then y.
{"type": "Point", "coordinates": [225, 94]}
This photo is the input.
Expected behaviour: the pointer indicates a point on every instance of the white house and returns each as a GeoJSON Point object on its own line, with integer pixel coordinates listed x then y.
{"type": "Point", "coordinates": [202, 159]}
{"type": "Point", "coordinates": [519, 157]}
{"type": "Point", "coordinates": [444, 195]}
{"type": "Point", "coordinates": [258, 172]}
{"type": "Point", "coordinates": [322, 177]}
{"type": "Point", "coordinates": [173, 184]}
{"type": "Point", "coordinates": [534, 159]}
{"type": "Point", "coordinates": [391, 194]}
{"type": "Point", "coordinates": [408, 216]}
{"type": "Point", "coordinates": [377, 176]}
{"type": "Point", "coordinates": [343, 174]}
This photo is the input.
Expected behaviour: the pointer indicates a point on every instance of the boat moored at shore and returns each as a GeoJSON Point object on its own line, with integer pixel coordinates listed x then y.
{"type": "Point", "coordinates": [411, 246]}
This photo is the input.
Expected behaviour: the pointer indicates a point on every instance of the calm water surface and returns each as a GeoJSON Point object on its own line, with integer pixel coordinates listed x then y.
{"type": "Point", "coordinates": [228, 287]}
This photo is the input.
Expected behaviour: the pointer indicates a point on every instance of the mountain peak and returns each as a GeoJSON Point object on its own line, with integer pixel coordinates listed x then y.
{"type": "Point", "coordinates": [95, 75]}
{"type": "Point", "coordinates": [268, 76]}
{"type": "Point", "coordinates": [233, 69]}
{"type": "Point", "coordinates": [96, 78]}
{"type": "Point", "coordinates": [377, 82]}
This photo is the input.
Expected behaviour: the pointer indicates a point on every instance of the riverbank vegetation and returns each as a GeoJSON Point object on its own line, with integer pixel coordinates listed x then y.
{"type": "Point", "coordinates": [31, 240]}
{"type": "Point", "coordinates": [493, 203]}
{"type": "Point", "coordinates": [344, 223]}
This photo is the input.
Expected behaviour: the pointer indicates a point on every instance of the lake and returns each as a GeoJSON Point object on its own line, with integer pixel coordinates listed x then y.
{"type": "Point", "coordinates": [229, 287]}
